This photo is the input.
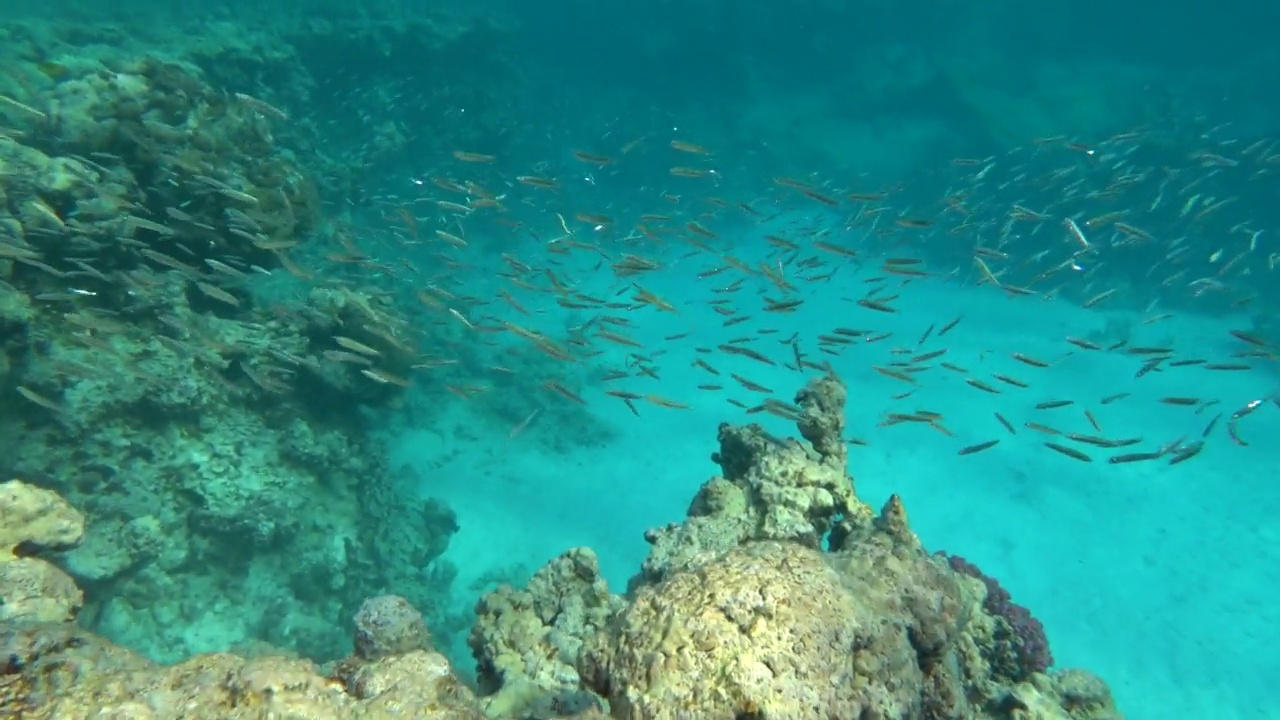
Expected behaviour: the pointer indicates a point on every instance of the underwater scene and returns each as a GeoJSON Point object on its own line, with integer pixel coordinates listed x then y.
{"type": "Point", "coordinates": [752, 360]}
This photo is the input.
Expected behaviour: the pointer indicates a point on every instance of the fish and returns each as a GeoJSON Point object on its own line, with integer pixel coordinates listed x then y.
{"type": "Point", "coordinates": [895, 374]}
{"type": "Point", "coordinates": [748, 384]}
{"type": "Point", "coordinates": [216, 293]}
{"type": "Point", "coordinates": [1077, 235]}
{"type": "Point", "coordinates": [561, 390]}
{"type": "Point", "coordinates": [690, 148]}
{"type": "Point", "coordinates": [342, 356]}
{"type": "Point", "coordinates": [537, 181]}
{"type": "Point", "coordinates": [38, 399]}
{"type": "Point", "coordinates": [1184, 453]}
{"type": "Point", "coordinates": [977, 448]}
{"type": "Point", "coordinates": [356, 346]}
{"type": "Point", "coordinates": [664, 402]}
{"type": "Point", "coordinates": [974, 382]}
{"type": "Point", "coordinates": [876, 305]}
{"type": "Point", "coordinates": [819, 197]}
{"type": "Point", "coordinates": [384, 378]}
{"type": "Point", "coordinates": [473, 157]}
{"type": "Point", "coordinates": [1028, 360]}
{"type": "Point", "coordinates": [1069, 452]}
{"type": "Point", "coordinates": [925, 357]}
{"type": "Point", "coordinates": [949, 326]}
{"type": "Point", "coordinates": [592, 158]}
{"type": "Point", "coordinates": [167, 261]}
{"type": "Point", "coordinates": [1050, 221]}
{"type": "Point", "coordinates": [1133, 457]}
{"type": "Point", "coordinates": [746, 352]}
{"type": "Point", "coordinates": [225, 269]}
{"type": "Point", "coordinates": [451, 239]}
{"type": "Point", "coordinates": [912, 222]}
{"type": "Point", "coordinates": [1248, 338]}
{"type": "Point", "coordinates": [523, 425]}
{"type": "Point", "coordinates": [261, 106]}
{"type": "Point", "coordinates": [1099, 298]}
{"type": "Point", "coordinates": [1052, 404]}
{"type": "Point", "coordinates": [834, 249]}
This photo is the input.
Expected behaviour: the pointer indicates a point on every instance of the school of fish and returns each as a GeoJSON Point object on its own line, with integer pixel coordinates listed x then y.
{"type": "Point", "coordinates": [494, 255]}
{"type": "Point", "coordinates": [1108, 205]}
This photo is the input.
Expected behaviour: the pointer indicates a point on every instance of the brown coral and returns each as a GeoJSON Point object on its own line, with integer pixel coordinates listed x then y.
{"type": "Point", "coordinates": [526, 641]}
{"type": "Point", "coordinates": [771, 489]}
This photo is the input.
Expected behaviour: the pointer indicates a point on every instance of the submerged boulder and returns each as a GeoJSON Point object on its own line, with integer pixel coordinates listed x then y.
{"type": "Point", "coordinates": [33, 590]}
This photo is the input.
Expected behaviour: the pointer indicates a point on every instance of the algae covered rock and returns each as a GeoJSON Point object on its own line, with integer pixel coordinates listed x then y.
{"type": "Point", "coordinates": [113, 548]}
{"type": "Point", "coordinates": [526, 642]}
{"type": "Point", "coordinates": [226, 687]}
{"type": "Point", "coordinates": [33, 590]}
{"type": "Point", "coordinates": [60, 672]}
{"type": "Point", "coordinates": [765, 631]}
{"type": "Point", "coordinates": [389, 625]}
{"type": "Point", "coordinates": [742, 613]}
{"type": "Point", "coordinates": [34, 517]}
{"type": "Point", "coordinates": [770, 489]}
{"type": "Point", "coordinates": [774, 629]}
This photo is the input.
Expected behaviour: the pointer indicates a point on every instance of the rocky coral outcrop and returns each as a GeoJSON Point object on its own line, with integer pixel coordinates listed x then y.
{"type": "Point", "coordinates": [741, 612]}
{"type": "Point", "coordinates": [526, 642]}
{"type": "Point", "coordinates": [389, 625]}
{"type": "Point", "coordinates": [877, 628]}
{"type": "Point", "coordinates": [872, 626]}
{"type": "Point", "coordinates": [771, 488]}
{"type": "Point", "coordinates": [31, 589]}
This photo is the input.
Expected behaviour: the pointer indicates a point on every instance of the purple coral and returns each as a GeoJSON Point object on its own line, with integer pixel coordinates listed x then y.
{"type": "Point", "coordinates": [1031, 645]}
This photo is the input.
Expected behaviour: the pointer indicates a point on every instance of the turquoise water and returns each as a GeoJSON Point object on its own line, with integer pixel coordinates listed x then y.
{"type": "Point", "coordinates": [1134, 570]}
{"type": "Point", "coordinates": [559, 200]}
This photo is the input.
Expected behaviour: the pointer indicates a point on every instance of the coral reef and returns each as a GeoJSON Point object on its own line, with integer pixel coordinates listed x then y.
{"type": "Point", "coordinates": [757, 621]}
{"type": "Point", "coordinates": [49, 668]}
{"type": "Point", "coordinates": [741, 612]}
{"type": "Point", "coordinates": [173, 362]}
{"type": "Point", "coordinates": [168, 366]}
